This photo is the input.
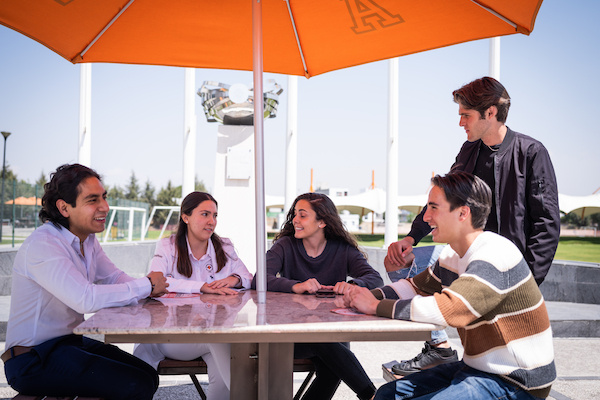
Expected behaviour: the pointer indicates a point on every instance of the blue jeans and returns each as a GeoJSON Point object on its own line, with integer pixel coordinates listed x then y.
{"type": "Point", "coordinates": [424, 257]}
{"type": "Point", "coordinates": [451, 381]}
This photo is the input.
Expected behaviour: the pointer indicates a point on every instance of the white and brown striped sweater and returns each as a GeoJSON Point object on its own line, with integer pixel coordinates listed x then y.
{"type": "Point", "coordinates": [491, 297]}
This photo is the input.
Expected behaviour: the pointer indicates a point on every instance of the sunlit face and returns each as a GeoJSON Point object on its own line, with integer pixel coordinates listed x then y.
{"type": "Point", "coordinates": [202, 221]}
{"type": "Point", "coordinates": [438, 215]}
{"type": "Point", "coordinates": [305, 221]}
{"type": "Point", "coordinates": [90, 211]}
{"type": "Point", "coordinates": [474, 125]}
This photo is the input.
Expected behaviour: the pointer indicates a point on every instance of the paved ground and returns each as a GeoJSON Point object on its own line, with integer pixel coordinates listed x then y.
{"type": "Point", "coordinates": [577, 360]}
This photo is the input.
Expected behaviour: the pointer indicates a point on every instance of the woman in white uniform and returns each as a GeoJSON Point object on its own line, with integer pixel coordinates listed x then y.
{"type": "Point", "coordinates": [196, 260]}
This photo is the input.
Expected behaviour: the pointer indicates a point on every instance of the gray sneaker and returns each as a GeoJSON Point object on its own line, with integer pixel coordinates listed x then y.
{"type": "Point", "coordinates": [428, 358]}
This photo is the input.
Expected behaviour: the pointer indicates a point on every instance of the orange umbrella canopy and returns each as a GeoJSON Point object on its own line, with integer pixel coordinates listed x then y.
{"type": "Point", "coordinates": [25, 201]}
{"type": "Point", "coordinates": [301, 37]}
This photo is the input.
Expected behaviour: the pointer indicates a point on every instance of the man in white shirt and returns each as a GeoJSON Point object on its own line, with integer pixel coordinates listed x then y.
{"type": "Point", "coordinates": [59, 274]}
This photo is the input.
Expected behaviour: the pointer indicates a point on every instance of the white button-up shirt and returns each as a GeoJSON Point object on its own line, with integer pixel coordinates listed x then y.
{"type": "Point", "coordinates": [54, 284]}
{"type": "Point", "coordinates": [204, 270]}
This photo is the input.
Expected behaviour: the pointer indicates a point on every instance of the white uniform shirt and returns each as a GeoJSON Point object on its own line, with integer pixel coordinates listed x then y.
{"type": "Point", "coordinates": [53, 285]}
{"type": "Point", "coordinates": [204, 270]}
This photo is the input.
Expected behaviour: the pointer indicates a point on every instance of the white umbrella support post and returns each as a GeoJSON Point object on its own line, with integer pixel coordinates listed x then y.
{"type": "Point", "coordinates": [391, 208]}
{"type": "Point", "coordinates": [84, 156]}
{"type": "Point", "coordinates": [261, 231]}
{"type": "Point", "coordinates": [189, 134]}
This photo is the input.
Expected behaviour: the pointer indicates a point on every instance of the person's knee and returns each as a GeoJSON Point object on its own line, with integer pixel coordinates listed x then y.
{"type": "Point", "coordinates": [386, 392]}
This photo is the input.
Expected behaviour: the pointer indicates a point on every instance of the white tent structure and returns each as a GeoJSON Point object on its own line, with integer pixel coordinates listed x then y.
{"type": "Point", "coordinates": [372, 200]}
{"type": "Point", "coordinates": [275, 201]}
{"type": "Point", "coordinates": [581, 205]}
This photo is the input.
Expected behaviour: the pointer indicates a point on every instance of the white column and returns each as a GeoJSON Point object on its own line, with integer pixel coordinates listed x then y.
{"type": "Point", "coordinates": [495, 58]}
{"type": "Point", "coordinates": [234, 190]}
{"type": "Point", "coordinates": [291, 143]}
{"type": "Point", "coordinates": [84, 155]}
{"type": "Point", "coordinates": [391, 203]}
{"type": "Point", "coordinates": [189, 133]}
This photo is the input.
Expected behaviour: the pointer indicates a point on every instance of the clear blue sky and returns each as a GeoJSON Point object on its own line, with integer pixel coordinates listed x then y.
{"type": "Point", "coordinates": [137, 111]}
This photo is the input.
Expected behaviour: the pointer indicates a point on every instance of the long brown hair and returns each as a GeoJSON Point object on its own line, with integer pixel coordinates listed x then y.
{"type": "Point", "coordinates": [188, 205]}
{"type": "Point", "coordinates": [326, 211]}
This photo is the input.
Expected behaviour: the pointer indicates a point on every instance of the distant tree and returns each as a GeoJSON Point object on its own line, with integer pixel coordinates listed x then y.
{"type": "Point", "coordinates": [132, 191]}
{"type": "Point", "coordinates": [199, 185]}
{"type": "Point", "coordinates": [42, 180]}
{"type": "Point", "coordinates": [9, 178]}
{"type": "Point", "coordinates": [8, 175]}
{"type": "Point", "coordinates": [148, 194]}
{"type": "Point", "coordinates": [165, 197]}
{"type": "Point", "coordinates": [115, 192]}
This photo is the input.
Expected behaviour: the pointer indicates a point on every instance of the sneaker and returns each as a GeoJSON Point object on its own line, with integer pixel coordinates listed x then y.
{"type": "Point", "coordinates": [428, 358]}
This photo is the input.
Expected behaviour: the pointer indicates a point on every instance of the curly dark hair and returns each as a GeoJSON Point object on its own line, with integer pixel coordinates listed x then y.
{"type": "Point", "coordinates": [63, 184]}
{"type": "Point", "coordinates": [188, 205]}
{"type": "Point", "coordinates": [326, 211]}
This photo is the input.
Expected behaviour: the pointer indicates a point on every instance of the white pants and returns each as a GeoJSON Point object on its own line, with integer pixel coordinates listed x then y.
{"type": "Point", "coordinates": [215, 355]}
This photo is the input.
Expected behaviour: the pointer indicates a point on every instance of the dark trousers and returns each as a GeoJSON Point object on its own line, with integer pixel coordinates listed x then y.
{"type": "Point", "coordinates": [334, 362]}
{"type": "Point", "coordinates": [75, 365]}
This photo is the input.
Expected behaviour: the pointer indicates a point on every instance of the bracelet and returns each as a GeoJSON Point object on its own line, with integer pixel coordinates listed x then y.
{"type": "Point", "coordinates": [151, 284]}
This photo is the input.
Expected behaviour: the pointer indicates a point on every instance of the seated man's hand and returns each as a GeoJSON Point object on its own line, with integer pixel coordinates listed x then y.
{"type": "Point", "coordinates": [399, 254]}
{"type": "Point", "coordinates": [361, 299]}
{"type": "Point", "coordinates": [342, 287]}
{"type": "Point", "coordinates": [159, 283]}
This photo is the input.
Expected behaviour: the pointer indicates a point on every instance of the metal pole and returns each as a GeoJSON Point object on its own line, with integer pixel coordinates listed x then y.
{"type": "Point", "coordinates": [257, 68]}
{"type": "Point", "coordinates": [6, 135]}
{"type": "Point", "coordinates": [495, 58]}
{"type": "Point", "coordinates": [189, 133]}
{"type": "Point", "coordinates": [84, 155]}
{"type": "Point", "coordinates": [391, 208]}
{"type": "Point", "coordinates": [14, 211]}
{"type": "Point", "coordinates": [35, 215]}
{"type": "Point", "coordinates": [291, 148]}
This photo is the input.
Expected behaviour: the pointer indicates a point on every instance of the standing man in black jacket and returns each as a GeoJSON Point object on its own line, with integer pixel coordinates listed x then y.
{"type": "Point", "coordinates": [525, 196]}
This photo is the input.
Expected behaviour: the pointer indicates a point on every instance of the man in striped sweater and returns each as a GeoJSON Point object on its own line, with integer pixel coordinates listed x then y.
{"type": "Point", "coordinates": [481, 285]}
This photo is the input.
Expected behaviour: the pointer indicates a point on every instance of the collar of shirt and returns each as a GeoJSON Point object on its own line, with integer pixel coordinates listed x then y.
{"type": "Point", "coordinates": [207, 261]}
{"type": "Point", "coordinates": [74, 241]}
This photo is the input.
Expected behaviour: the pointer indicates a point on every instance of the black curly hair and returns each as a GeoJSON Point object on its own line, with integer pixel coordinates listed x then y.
{"type": "Point", "coordinates": [63, 184]}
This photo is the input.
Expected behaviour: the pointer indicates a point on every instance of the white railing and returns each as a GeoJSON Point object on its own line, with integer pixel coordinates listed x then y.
{"type": "Point", "coordinates": [172, 209]}
{"type": "Point", "coordinates": [132, 210]}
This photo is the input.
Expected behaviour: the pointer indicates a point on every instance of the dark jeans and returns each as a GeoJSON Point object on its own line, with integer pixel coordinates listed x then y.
{"type": "Point", "coordinates": [75, 365]}
{"type": "Point", "coordinates": [334, 362]}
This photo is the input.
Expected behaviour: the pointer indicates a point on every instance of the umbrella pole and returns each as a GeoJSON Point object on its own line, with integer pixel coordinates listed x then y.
{"type": "Point", "coordinates": [259, 164]}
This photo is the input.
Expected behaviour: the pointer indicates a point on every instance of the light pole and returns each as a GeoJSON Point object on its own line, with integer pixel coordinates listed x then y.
{"type": "Point", "coordinates": [6, 135]}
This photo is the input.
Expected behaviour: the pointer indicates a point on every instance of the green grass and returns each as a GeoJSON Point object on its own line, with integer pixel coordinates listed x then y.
{"type": "Point", "coordinates": [586, 249]}
{"type": "Point", "coordinates": [579, 249]}
{"type": "Point", "coordinates": [153, 234]}
{"type": "Point", "coordinates": [377, 240]}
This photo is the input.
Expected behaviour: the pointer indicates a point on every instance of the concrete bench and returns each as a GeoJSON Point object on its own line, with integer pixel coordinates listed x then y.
{"type": "Point", "coordinates": [198, 366]}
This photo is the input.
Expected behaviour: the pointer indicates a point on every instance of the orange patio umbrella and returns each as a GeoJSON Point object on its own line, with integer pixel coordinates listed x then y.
{"type": "Point", "coordinates": [301, 37]}
{"type": "Point", "coordinates": [295, 37]}
{"type": "Point", "coordinates": [25, 201]}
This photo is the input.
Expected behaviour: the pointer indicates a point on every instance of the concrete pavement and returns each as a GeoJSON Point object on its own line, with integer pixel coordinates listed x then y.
{"type": "Point", "coordinates": [577, 361]}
